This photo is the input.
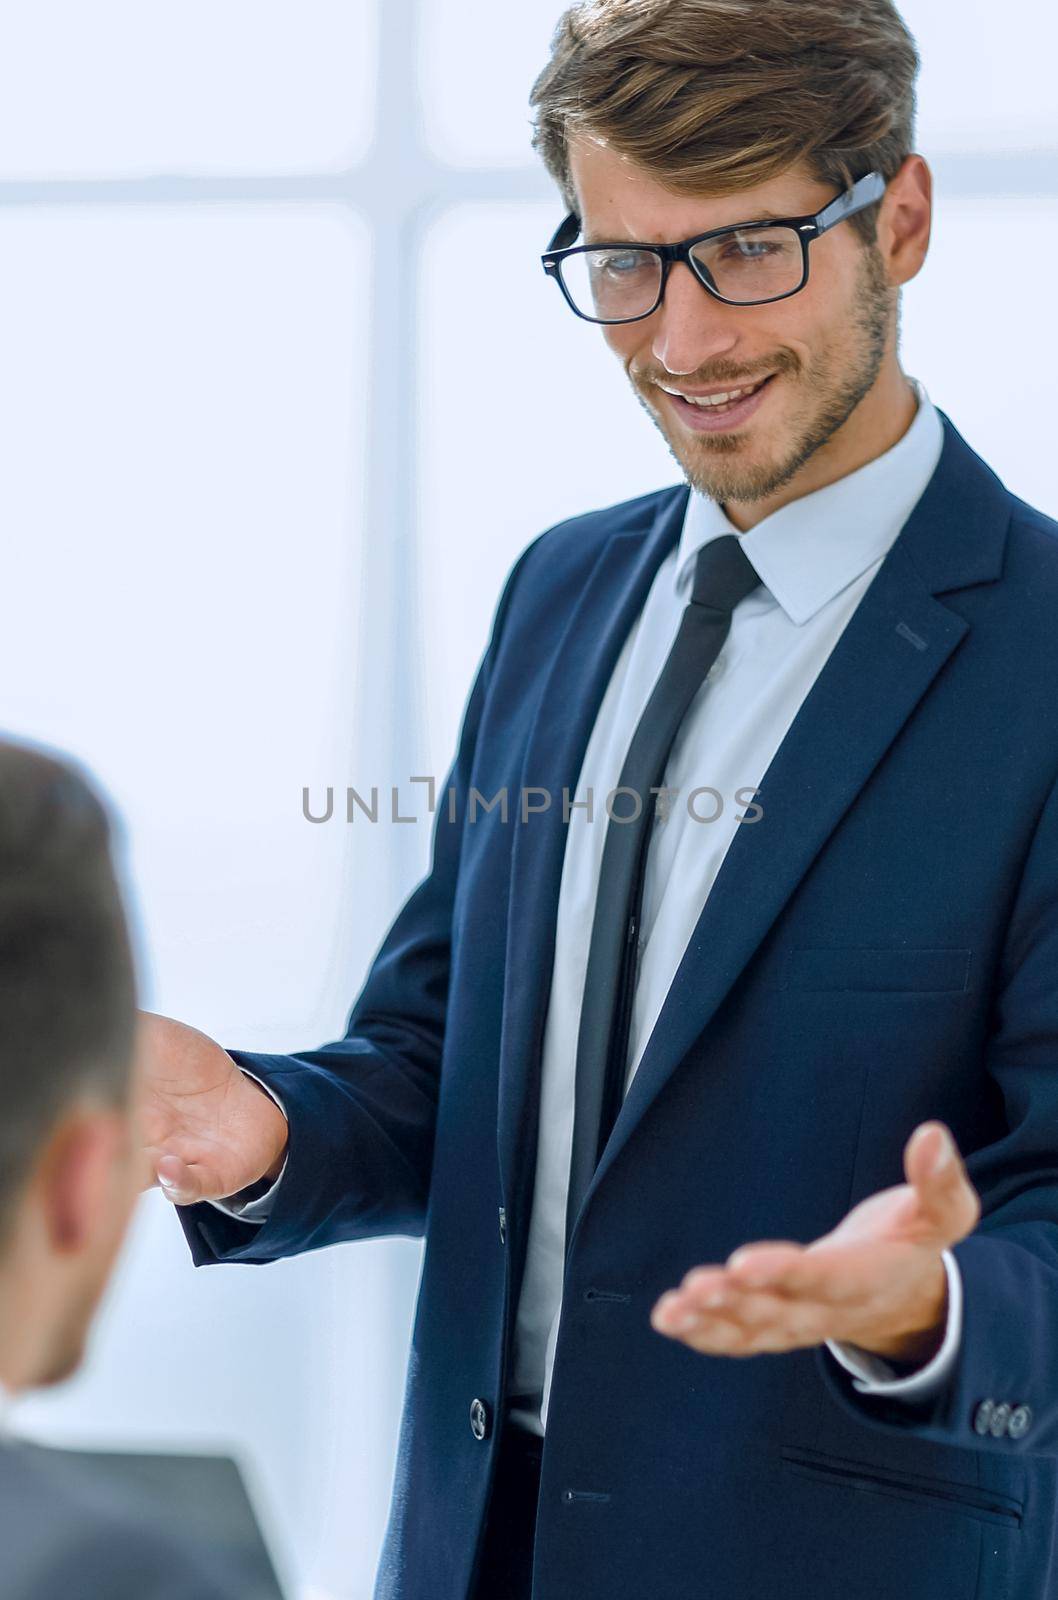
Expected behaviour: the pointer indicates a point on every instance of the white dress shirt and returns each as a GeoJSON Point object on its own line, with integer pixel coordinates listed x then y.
{"type": "Point", "coordinates": [816, 556]}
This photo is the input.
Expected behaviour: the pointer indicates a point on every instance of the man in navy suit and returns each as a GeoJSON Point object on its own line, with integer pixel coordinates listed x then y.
{"type": "Point", "coordinates": [776, 1331]}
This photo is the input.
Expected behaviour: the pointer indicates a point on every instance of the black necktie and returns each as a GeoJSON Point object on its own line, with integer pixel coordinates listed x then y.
{"type": "Point", "coordinates": [723, 575]}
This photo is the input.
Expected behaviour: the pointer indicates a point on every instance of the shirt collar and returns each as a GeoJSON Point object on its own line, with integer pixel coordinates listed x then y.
{"type": "Point", "coordinates": [810, 549]}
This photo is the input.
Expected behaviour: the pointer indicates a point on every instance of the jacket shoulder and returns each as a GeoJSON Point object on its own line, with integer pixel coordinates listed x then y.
{"type": "Point", "coordinates": [64, 1533]}
{"type": "Point", "coordinates": [1031, 564]}
{"type": "Point", "coordinates": [1035, 527]}
{"type": "Point", "coordinates": [572, 545]}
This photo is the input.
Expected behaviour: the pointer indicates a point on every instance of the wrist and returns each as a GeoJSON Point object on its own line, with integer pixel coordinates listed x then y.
{"type": "Point", "coordinates": [275, 1131]}
{"type": "Point", "coordinates": [915, 1346]}
{"type": "Point", "coordinates": [915, 1351]}
{"type": "Point", "coordinates": [272, 1172]}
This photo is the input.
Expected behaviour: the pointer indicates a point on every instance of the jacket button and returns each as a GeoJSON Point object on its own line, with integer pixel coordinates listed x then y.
{"type": "Point", "coordinates": [1018, 1425]}
{"type": "Point", "coordinates": [982, 1420]}
{"type": "Point", "coordinates": [997, 1427]}
{"type": "Point", "coordinates": [479, 1418]}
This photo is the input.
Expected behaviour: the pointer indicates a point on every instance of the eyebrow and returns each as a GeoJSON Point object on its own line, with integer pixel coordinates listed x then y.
{"type": "Point", "coordinates": [759, 216]}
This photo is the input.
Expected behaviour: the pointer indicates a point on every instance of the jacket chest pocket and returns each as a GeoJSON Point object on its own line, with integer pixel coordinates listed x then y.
{"type": "Point", "coordinates": [894, 969]}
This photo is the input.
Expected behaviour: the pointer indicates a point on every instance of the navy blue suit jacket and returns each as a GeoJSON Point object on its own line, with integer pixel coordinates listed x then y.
{"type": "Point", "coordinates": [880, 948]}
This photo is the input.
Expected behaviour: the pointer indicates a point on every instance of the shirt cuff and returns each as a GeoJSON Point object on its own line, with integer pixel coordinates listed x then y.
{"type": "Point", "coordinates": [254, 1206]}
{"type": "Point", "coordinates": [872, 1375]}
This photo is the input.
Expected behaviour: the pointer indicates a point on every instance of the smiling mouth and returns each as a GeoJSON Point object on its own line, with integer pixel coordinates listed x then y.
{"type": "Point", "coordinates": [726, 411]}
{"type": "Point", "coordinates": [723, 400]}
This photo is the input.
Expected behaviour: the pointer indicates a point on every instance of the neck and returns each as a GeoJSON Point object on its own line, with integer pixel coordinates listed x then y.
{"type": "Point", "coordinates": [880, 420]}
{"type": "Point", "coordinates": [13, 1354]}
{"type": "Point", "coordinates": [23, 1325]}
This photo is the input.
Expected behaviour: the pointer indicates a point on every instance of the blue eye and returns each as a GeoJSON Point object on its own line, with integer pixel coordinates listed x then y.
{"type": "Point", "coordinates": [619, 266]}
{"type": "Point", "coordinates": [750, 249]}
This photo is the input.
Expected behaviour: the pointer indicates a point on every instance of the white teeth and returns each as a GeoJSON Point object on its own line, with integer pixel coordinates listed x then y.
{"type": "Point", "coordinates": [720, 399]}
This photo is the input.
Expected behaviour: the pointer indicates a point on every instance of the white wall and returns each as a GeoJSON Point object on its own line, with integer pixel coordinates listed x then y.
{"type": "Point", "coordinates": [252, 408]}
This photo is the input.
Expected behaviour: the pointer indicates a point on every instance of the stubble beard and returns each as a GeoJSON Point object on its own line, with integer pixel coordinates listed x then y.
{"type": "Point", "coordinates": [709, 462]}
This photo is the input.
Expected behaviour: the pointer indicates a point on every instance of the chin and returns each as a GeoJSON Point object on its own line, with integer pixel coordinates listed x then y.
{"type": "Point", "coordinates": [729, 473]}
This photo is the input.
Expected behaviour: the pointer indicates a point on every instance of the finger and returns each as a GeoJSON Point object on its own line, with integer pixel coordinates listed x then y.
{"type": "Point", "coordinates": [794, 1326]}
{"type": "Point", "coordinates": [701, 1292]}
{"type": "Point", "coordinates": [706, 1299]}
{"type": "Point", "coordinates": [714, 1289]}
{"type": "Point", "coordinates": [830, 1275]}
{"type": "Point", "coordinates": [767, 1328]}
{"type": "Point", "coordinates": [712, 1336]}
{"type": "Point", "coordinates": [177, 1181]}
{"type": "Point", "coordinates": [749, 1309]}
{"type": "Point", "coordinates": [948, 1205]}
{"type": "Point", "coordinates": [675, 1311]}
{"type": "Point", "coordinates": [758, 1266]}
{"type": "Point", "coordinates": [703, 1281]}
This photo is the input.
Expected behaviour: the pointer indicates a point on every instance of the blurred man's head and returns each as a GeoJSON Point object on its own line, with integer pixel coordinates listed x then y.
{"type": "Point", "coordinates": [662, 120]}
{"type": "Point", "coordinates": [70, 1165]}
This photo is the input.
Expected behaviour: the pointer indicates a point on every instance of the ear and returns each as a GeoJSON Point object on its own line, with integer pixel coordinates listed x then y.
{"type": "Point", "coordinates": [905, 218]}
{"type": "Point", "coordinates": [76, 1175]}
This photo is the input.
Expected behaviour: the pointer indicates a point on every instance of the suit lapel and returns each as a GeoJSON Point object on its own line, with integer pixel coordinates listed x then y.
{"type": "Point", "coordinates": [894, 645]}
{"type": "Point", "coordinates": [612, 597]}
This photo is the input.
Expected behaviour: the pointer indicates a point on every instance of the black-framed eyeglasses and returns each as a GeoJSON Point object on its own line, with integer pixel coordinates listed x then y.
{"type": "Point", "coordinates": [744, 264]}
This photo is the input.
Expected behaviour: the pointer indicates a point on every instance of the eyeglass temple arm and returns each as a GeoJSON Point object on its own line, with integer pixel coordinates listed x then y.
{"type": "Point", "coordinates": [565, 233]}
{"type": "Point", "coordinates": [864, 192]}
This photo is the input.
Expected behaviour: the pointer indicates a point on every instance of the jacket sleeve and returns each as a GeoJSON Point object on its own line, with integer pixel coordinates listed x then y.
{"type": "Point", "coordinates": [1002, 1391]}
{"type": "Point", "coordinates": [362, 1109]}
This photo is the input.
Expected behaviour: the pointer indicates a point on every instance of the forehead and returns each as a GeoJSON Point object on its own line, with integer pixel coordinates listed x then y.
{"type": "Point", "coordinates": [617, 199]}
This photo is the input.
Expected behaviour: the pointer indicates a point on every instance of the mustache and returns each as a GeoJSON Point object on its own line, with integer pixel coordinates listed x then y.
{"type": "Point", "coordinates": [704, 380]}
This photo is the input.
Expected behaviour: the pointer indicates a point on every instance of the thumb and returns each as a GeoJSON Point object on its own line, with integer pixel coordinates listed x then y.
{"type": "Point", "coordinates": [948, 1203]}
{"type": "Point", "coordinates": [177, 1181]}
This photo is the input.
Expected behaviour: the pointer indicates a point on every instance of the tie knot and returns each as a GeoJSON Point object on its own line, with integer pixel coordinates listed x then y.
{"type": "Point", "coordinates": [723, 574]}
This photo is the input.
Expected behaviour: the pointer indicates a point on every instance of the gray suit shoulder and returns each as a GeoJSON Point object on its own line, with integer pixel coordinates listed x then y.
{"type": "Point", "coordinates": [63, 1536]}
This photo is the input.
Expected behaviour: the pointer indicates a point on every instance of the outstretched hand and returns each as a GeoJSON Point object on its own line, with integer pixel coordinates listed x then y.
{"type": "Point", "coordinates": [877, 1280]}
{"type": "Point", "coordinates": [208, 1129]}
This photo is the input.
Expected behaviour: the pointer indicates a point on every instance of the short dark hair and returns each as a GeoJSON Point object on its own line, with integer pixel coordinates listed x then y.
{"type": "Point", "coordinates": [67, 981]}
{"type": "Point", "coordinates": [713, 96]}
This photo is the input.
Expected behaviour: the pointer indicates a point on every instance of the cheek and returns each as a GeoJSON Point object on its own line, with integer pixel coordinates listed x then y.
{"type": "Point", "coordinates": [794, 339]}
{"type": "Point", "coordinates": [820, 316]}
{"type": "Point", "coordinates": [629, 344]}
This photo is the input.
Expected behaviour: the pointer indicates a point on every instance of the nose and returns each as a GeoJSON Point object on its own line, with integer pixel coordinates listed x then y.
{"type": "Point", "coordinates": [692, 326]}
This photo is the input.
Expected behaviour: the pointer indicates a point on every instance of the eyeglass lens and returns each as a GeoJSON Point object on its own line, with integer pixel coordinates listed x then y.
{"type": "Point", "coordinates": [613, 284]}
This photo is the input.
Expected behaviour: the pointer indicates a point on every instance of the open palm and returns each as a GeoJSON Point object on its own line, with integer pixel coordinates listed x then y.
{"type": "Point", "coordinates": [876, 1280]}
{"type": "Point", "coordinates": [202, 1120]}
